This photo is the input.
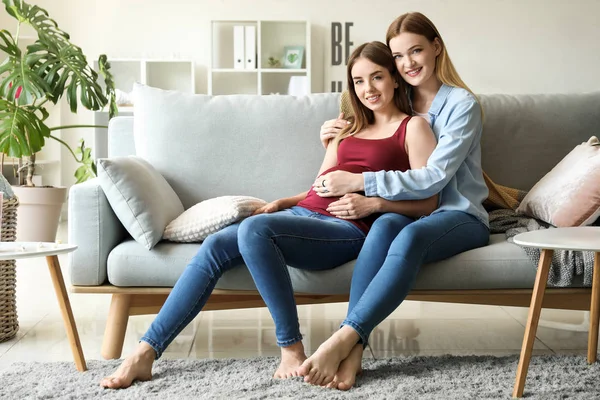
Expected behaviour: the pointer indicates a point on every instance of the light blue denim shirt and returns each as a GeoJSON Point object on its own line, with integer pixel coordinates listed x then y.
{"type": "Point", "coordinates": [454, 167]}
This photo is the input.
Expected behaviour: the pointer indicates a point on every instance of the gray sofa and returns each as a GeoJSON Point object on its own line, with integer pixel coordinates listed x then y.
{"type": "Point", "coordinates": [268, 146]}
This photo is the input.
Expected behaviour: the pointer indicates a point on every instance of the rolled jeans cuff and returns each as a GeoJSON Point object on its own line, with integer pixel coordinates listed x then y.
{"type": "Point", "coordinates": [364, 338]}
{"type": "Point", "coordinates": [287, 343]}
{"type": "Point", "coordinates": [154, 345]}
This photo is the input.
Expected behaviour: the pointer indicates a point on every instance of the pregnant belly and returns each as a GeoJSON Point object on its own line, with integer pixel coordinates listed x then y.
{"type": "Point", "coordinates": [317, 203]}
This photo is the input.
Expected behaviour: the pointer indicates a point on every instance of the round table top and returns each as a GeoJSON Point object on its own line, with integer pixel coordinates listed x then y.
{"type": "Point", "coordinates": [585, 238]}
{"type": "Point", "coordinates": [17, 250]}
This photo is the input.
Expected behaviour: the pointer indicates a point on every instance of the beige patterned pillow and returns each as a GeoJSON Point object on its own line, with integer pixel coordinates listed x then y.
{"type": "Point", "coordinates": [569, 195]}
{"type": "Point", "coordinates": [210, 216]}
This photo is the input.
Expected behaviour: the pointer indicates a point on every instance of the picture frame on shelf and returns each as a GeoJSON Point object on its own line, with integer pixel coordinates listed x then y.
{"type": "Point", "coordinates": [293, 56]}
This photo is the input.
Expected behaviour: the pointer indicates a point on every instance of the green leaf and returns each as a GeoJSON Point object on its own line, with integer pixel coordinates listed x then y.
{"type": "Point", "coordinates": [17, 72]}
{"type": "Point", "coordinates": [88, 168]}
{"type": "Point", "coordinates": [50, 68]}
{"type": "Point", "coordinates": [104, 68]}
{"type": "Point", "coordinates": [51, 65]}
{"type": "Point", "coordinates": [37, 18]}
{"type": "Point", "coordinates": [22, 132]}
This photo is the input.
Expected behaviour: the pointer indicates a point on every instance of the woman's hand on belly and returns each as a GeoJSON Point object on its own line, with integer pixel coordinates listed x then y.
{"type": "Point", "coordinates": [353, 206]}
{"type": "Point", "coordinates": [338, 183]}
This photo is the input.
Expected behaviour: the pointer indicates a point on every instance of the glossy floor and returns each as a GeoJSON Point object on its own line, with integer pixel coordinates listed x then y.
{"type": "Point", "coordinates": [414, 328]}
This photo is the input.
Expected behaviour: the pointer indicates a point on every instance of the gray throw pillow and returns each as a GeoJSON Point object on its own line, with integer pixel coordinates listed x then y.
{"type": "Point", "coordinates": [141, 198]}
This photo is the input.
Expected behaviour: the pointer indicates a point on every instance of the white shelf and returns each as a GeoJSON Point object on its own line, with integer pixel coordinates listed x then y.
{"type": "Point", "coordinates": [13, 161]}
{"type": "Point", "coordinates": [271, 39]}
{"type": "Point", "coordinates": [122, 109]}
{"type": "Point", "coordinates": [164, 74]}
{"type": "Point", "coordinates": [283, 70]}
{"type": "Point", "coordinates": [232, 70]}
{"type": "Point", "coordinates": [262, 70]}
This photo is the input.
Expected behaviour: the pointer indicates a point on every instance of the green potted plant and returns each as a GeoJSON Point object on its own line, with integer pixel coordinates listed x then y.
{"type": "Point", "coordinates": [32, 79]}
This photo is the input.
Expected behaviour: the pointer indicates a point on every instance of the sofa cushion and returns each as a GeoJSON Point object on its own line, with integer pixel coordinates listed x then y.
{"type": "Point", "coordinates": [140, 197]}
{"type": "Point", "coordinates": [568, 195]}
{"type": "Point", "coordinates": [525, 136]}
{"type": "Point", "coordinates": [210, 216]}
{"type": "Point", "coordinates": [500, 265]}
{"type": "Point", "coordinates": [261, 146]}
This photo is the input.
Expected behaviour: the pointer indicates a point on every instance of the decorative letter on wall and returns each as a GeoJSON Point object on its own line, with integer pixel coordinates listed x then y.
{"type": "Point", "coordinates": [336, 49]}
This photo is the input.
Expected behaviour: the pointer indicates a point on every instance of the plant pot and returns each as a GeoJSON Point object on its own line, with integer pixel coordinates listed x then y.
{"type": "Point", "coordinates": [39, 212]}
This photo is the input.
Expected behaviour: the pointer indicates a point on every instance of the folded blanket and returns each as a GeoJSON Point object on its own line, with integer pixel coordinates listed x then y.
{"type": "Point", "coordinates": [502, 196]}
{"type": "Point", "coordinates": [566, 264]}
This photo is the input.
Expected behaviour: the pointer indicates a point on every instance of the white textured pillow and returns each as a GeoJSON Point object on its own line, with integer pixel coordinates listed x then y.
{"type": "Point", "coordinates": [141, 198]}
{"type": "Point", "coordinates": [210, 216]}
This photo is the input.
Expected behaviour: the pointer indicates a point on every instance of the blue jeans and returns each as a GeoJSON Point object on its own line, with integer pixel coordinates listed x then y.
{"type": "Point", "coordinates": [301, 238]}
{"type": "Point", "coordinates": [394, 250]}
{"type": "Point", "coordinates": [315, 243]}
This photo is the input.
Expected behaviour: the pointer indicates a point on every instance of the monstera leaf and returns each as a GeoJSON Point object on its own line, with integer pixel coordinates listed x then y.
{"type": "Point", "coordinates": [66, 69]}
{"type": "Point", "coordinates": [51, 65]}
{"type": "Point", "coordinates": [22, 132]}
{"type": "Point", "coordinates": [18, 74]}
{"type": "Point", "coordinates": [39, 20]}
{"type": "Point", "coordinates": [47, 70]}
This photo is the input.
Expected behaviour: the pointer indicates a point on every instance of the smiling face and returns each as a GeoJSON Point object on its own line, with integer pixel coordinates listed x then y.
{"type": "Point", "coordinates": [415, 57]}
{"type": "Point", "coordinates": [373, 84]}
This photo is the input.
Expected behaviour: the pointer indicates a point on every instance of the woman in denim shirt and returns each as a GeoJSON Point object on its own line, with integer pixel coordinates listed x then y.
{"type": "Point", "coordinates": [397, 245]}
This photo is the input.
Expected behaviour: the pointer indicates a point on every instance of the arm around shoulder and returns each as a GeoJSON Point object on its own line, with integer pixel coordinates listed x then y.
{"type": "Point", "coordinates": [419, 142]}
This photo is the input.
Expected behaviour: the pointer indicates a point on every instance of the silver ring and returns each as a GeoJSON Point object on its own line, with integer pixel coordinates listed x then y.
{"type": "Point", "coordinates": [323, 183]}
{"type": "Point", "coordinates": [325, 191]}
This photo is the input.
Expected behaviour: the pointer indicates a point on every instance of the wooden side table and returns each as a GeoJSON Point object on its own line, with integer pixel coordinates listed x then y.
{"type": "Point", "coordinates": [18, 250]}
{"type": "Point", "coordinates": [548, 240]}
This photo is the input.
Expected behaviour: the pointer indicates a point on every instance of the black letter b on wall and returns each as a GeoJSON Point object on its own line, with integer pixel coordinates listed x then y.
{"type": "Point", "coordinates": [336, 43]}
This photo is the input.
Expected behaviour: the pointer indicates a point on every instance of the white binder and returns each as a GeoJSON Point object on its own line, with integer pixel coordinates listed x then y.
{"type": "Point", "coordinates": [250, 50]}
{"type": "Point", "coordinates": [238, 47]}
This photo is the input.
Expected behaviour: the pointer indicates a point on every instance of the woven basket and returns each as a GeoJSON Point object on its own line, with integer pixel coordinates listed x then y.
{"type": "Point", "coordinates": [9, 325]}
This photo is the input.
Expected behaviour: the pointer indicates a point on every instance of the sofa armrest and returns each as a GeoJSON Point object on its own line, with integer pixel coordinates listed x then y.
{"type": "Point", "coordinates": [95, 229]}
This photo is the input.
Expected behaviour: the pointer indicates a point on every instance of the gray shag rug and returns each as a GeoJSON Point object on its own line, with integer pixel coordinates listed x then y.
{"type": "Point", "coordinates": [416, 377]}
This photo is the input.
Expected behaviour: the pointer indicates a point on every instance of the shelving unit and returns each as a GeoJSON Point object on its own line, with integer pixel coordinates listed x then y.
{"type": "Point", "coordinates": [271, 39]}
{"type": "Point", "coordinates": [163, 74]}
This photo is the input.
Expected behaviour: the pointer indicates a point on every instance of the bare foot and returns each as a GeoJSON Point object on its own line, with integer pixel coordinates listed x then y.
{"type": "Point", "coordinates": [349, 369]}
{"type": "Point", "coordinates": [136, 367]}
{"type": "Point", "coordinates": [292, 358]}
{"type": "Point", "coordinates": [321, 367]}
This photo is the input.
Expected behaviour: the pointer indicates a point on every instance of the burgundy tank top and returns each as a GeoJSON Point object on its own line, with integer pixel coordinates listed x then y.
{"type": "Point", "coordinates": [358, 155]}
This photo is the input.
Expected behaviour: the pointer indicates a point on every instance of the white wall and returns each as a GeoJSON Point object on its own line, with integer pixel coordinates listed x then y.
{"type": "Point", "coordinates": [498, 46]}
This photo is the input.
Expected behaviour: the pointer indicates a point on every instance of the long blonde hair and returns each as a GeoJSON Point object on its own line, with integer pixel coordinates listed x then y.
{"type": "Point", "coordinates": [419, 24]}
{"type": "Point", "coordinates": [380, 54]}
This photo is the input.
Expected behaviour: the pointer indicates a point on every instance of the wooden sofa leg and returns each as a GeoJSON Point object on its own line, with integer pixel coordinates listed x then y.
{"type": "Point", "coordinates": [535, 309]}
{"type": "Point", "coordinates": [116, 326]}
{"type": "Point", "coordinates": [594, 312]}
